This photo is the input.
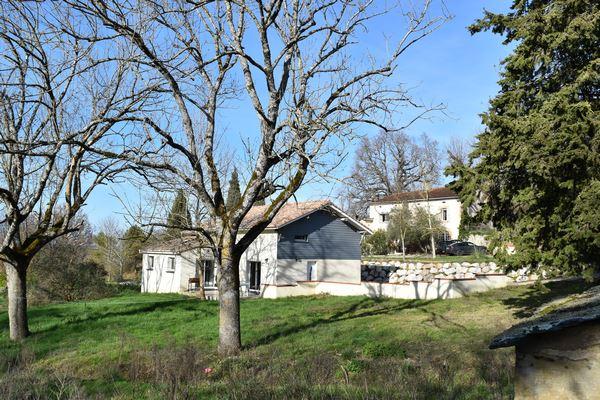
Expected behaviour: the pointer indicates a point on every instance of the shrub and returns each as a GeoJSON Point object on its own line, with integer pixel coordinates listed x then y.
{"type": "Point", "coordinates": [376, 244]}
{"type": "Point", "coordinates": [62, 272]}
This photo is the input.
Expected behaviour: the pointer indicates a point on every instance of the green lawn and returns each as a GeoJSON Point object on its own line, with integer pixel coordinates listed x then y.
{"type": "Point", "coordinates": [157, 346]}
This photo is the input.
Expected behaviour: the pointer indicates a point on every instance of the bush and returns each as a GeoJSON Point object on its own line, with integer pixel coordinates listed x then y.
{"type": "Point", "coordinates": [62, 272]}
{"type": "Point", "coordinates": [376, 244]}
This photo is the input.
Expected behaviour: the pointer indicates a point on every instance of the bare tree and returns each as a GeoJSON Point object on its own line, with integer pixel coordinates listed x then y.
{"type": "Point", "coordinates": [59, 97]}
{"type": "Point", "coordinates": [109, 249]}
{"type": "Point", "coordinates": [390, 162]}
{"type": "Point", "coordinates": [458, 150]}
{"type": "Point", "coordinates": [299, 72]}
{"type": "Point", "coordinates": [401, 222]}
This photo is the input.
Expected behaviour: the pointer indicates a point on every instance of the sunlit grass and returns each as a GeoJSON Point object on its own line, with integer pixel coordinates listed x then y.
{"type": "Point", "coordinates": [137, 346]}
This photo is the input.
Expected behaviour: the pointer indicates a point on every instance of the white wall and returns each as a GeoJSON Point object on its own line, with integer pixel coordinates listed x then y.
{"type": "Point", "coordinates": [264, 250]}
{"type": "Point", "coordinates": [435, 207]}
{"type": "Point", "coordinates": [188, 265]}
{"type": "Point", "coordinates": [159, 279]}
{"type": "Point", "coordinates": [438, 289]}
{"type": "Point", "coordinates": [162, 280]}
{"type": "Point", "coordinates": [289, 272]}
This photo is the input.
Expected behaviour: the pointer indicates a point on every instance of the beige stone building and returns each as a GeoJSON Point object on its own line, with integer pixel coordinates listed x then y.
{"type": "Point", "coordinates": [558, 353]}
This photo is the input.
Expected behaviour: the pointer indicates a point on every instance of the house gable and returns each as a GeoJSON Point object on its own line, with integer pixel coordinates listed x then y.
{"type": "Point", "coordinates": [319, 235]}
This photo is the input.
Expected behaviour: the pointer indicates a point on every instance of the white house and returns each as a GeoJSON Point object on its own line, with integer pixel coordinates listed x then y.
{"type": "Point", "coordinates": [305, 244]}
{"type": "Point", "coordinates": [442, 202]}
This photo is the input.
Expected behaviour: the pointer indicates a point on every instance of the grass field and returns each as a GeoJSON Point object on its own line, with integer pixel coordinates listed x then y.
{"type": "Point", "coordinates": [136, 346]}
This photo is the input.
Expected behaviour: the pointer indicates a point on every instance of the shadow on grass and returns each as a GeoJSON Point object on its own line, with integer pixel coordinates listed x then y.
{"type": "Point", "coordinates": [66, 318]}
{"type": "Point", "coordinates": [536, 296]}
{"type": "Point", "coordinates": [361, 309]}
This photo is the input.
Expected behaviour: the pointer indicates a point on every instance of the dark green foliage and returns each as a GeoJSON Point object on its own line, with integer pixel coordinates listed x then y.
{"type": "Point", "coordinates": [375, 244]}
{"type": "Point", "coordinates": [535, 170]}
{"type": "Point", "coordinates": [377, 349]}
{"type": "Point", "coordinates": [179, 218]}
{"type": "Point", "coordinates": [234, 194]}
{"type": "Point", "coordinates": [133, 240]}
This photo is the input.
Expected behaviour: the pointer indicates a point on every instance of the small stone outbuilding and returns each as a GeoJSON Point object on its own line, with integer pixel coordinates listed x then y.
{"type": "Point", "coordinates": [558, 352]}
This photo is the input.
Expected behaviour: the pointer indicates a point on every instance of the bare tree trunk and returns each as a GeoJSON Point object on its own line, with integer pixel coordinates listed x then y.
{"type": "Point", "coordinates": [432, 246]}
{"type": "Point", "coordinates": [202, 292]}
{"type": "Point", "coordinates": [403, 248]}
{"type": "Point", "coordinates": [230, 340]}
{"type": "Point", "coordinates": [16, 274]}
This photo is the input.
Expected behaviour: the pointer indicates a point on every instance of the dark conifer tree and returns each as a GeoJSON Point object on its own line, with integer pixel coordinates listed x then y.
{"type": "Point", "coordinates": [179, 218]}
{"type": "Point", "coordinates": [234, 194]}
{"type": "Point", "coordinates": [535, 170]}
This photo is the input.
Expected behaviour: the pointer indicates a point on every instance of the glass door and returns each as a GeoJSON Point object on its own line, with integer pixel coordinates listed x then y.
{"type": "Point", "coordinates": [255, 275]}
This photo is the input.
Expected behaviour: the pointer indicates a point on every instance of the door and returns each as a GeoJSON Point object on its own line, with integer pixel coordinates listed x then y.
{"type": "Point", "coordinates": [255, 275]}
{"type": "Point", "coordinates": [209, 273]}
{"type": "Point", "coordinates": [311, 270]}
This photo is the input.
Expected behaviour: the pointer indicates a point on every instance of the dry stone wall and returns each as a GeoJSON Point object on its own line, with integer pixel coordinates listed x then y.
{"type": "Point", "coordinates": [405, 272]}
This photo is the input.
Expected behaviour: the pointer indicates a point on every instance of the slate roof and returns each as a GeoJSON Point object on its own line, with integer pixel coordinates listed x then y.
{"type": "Point", "coordinates": [417, 195]}
{"type": "Point", "coordinates": [575, 311]}
{"type": "Point", "coordinates": [290, 212]}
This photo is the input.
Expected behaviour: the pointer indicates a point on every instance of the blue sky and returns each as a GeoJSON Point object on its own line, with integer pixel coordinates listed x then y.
{"type": "Point", "coordinates": [450, 66]}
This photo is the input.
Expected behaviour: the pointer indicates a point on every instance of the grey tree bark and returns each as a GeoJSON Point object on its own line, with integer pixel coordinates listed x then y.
{"type": "Point", "coordinates": [16, 279]}
{"type": "Point", "coordinates": [230, 336]}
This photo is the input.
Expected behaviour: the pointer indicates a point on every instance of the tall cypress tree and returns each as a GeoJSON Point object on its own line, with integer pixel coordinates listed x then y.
{"type": "Point", "coordinates": [234, 194]}
{"type": "Point", "coordinates": [179, 218]}
{"type": "Point", "coordinates": [133, 241]}
{"type": "Point", "coordinates": [535, 170]}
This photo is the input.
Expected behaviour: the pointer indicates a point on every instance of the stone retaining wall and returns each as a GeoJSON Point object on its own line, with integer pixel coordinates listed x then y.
{"type": "Point", "coordinates": [405, 272]}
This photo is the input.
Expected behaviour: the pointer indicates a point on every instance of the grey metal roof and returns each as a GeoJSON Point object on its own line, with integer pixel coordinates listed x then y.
{"type": "Point", "coordinates": [572, 312]}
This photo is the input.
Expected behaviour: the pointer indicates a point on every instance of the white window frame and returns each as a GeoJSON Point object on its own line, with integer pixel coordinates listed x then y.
{"type": "Point", "coordinates": [249, 264]}
{"type": "Point", "coordinates": [150, 263]}
{"type": "Point", "coordinates": [171, 264]}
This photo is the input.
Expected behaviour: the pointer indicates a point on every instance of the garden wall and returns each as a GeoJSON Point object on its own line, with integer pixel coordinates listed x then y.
{"type": "Point", "coordinates": [398, 272]}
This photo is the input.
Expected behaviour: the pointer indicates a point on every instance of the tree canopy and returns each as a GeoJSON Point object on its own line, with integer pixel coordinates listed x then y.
{"type": "Point", "coordinates": [535, 170]}
{"type": "Point", "coordinates": [390, 162]}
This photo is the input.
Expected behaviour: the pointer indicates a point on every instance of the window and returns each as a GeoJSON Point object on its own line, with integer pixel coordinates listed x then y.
{"type": "Point", "coordinates": [171, 264]}
{"type": "Point", "coordinates": [150, 262]}
{"type": "Point", "coordinates": [254, 275]}
{"type": "Point", "coordinates": [384, 217]}
{"type": "Point", "coordinates": [208, 269]}
{"type": "Point", "coordinates": [444, 214]}
{"type": "Point", "coordinates": [301, 238]}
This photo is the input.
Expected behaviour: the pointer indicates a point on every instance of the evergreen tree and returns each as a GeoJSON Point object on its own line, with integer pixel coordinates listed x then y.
{"type": "Point", "coordinates": [535, 170]}
{"type": "Point", "coordinates": [133, 241]}
{"type": "Point", "coordinates": [179, 218]}
{"type": "Point", "coordinates": [234, 194]}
